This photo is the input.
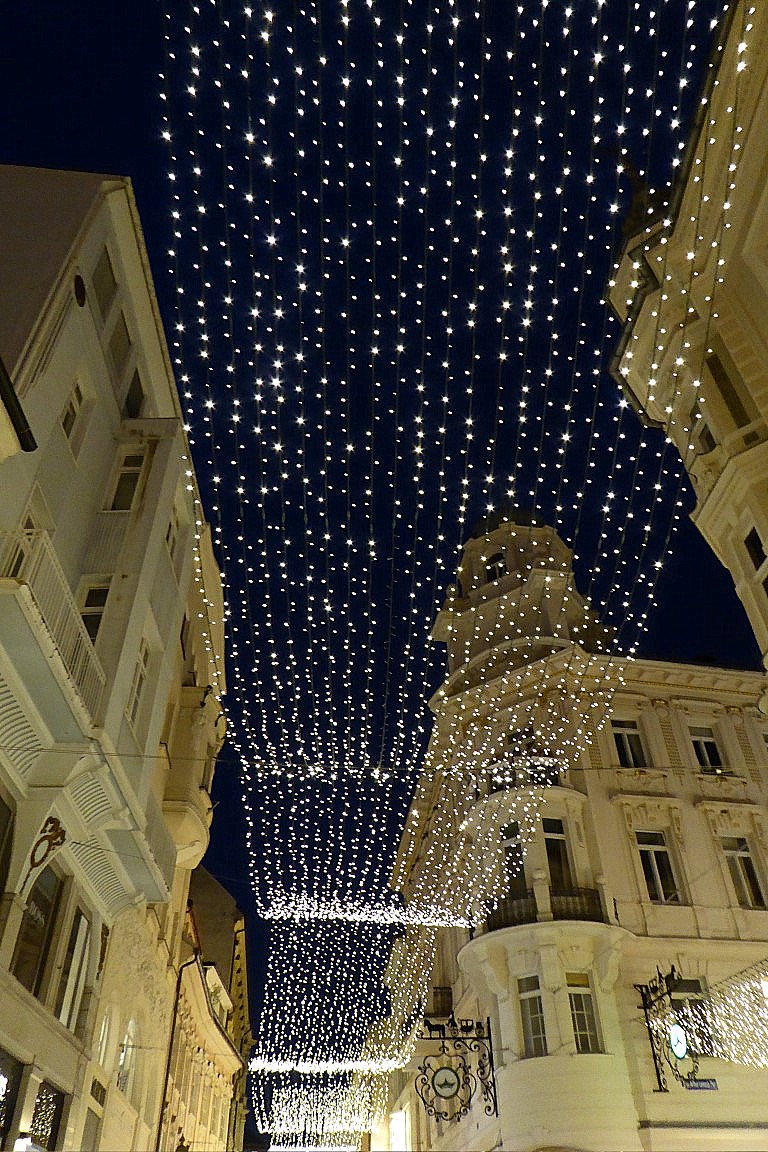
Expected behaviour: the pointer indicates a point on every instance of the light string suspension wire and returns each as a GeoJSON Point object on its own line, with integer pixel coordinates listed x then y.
{"type": "Point", "coordinates": [341, 318]}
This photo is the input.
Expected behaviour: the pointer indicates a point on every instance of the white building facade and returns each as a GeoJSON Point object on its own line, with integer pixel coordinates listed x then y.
{"type": "Point", "coordinates": [111, 653]}
{"type": "Point", "coordinates": [649, 856]}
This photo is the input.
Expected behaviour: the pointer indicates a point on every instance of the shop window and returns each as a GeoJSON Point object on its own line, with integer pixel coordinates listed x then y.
{"type": "Point", "coordinates": [657, 868]}
{"type": "Point", "coordinates": [532, 1016]}
{"type": "Point", "coordinates": [583, 1015]}
{"type": "Point", "coordinates": [629, 746]}
{"type": "Point", "coordinates": [741, 866]}
{"type": "Point", "coordinates": [46, 1118]}
{"type": "Point", "coordinates": [10, 1079]}
{"type": "Point", "coordinates": [33, 941]}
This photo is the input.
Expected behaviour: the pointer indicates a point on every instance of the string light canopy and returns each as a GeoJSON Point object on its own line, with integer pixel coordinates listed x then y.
{"type": "Point", "coordinates": [392, 230]}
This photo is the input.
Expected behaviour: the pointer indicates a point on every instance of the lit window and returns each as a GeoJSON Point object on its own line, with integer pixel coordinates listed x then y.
{"type": "Point", "coordinates": [657, 868]}
{"type": "Point", "coordinates": [104, 283]}
{"type": "Point", "coordinates": [496, 567]}
{"type": "Point", "coordinates": [582, 1012]}
{"type": "Point", "coordinates": [629, 746]}
{"type": "Point", "coordinates": [46, 1116]}
{"type": "Point", "coordinates": [743, 874]}
{"type": "Point", "coordinates": [556, 844]}
{"type": "Point", "coordinates": [93, 608]}
{"type": "Point", "coordinates": [138, 682]}
{"type": "Point", "coordinates": [34, 937]}
{"type": "Point", "coordinates": [532, 1016]}
{"type": "Point", "coordinates": [127, 482]}
{"type": "Point", "coordinates": [73, 971]}
{"type": "Point", "coordinates": [706, 750]}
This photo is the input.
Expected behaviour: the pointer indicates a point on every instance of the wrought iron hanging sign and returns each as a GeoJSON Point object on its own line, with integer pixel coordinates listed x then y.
{"type": "Point", "coordinates": [669, 1033]}
{"type": "Point", "coordinates": [459, 1070]}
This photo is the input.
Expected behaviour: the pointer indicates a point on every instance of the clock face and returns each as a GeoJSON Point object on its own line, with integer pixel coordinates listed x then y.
{"type": "Point", "coordinates": [445, 1083]}
{"type": "Point", "coordinates": [678, 1041]}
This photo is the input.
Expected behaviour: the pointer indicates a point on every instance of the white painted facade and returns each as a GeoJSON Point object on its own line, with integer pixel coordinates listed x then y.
{"type": "Point", "coordinates": [692, 293]}
{"type": "Point", "coordinates": [651, 852]}
{"type": "Point", "coordinates": [111, 672]}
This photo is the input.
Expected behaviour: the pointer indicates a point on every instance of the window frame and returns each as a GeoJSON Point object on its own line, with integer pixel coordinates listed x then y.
{"type": "Point", "coordinates": [740, 862]}
{"type": "Point", "coordinates": [127, 478]}
{"type": "Point", "coordinates": [533, 1028]}
{"type": "Point", "coordinates": [664, 851]}
{"type": "Point", "coordinates": [94, 612]}
{"type": "Point", "coordinates": [628, 749]}
{"type": "Point", "coordinates": [74, 969]}
{"type": "Point", "coordinates": [706, 750]}
{"type": "Point", "coordinates": [565, 862]}
{"type": "Point", "coordinates": [587, 1039]}
{"type": "Point", "coordinates": [496, 567]}
{"type": "Point", "coordinates": [138, 681]}
{"type": "Point", "coordinates": [43, 949]}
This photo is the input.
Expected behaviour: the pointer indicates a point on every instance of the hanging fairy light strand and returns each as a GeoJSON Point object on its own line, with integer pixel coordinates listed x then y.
{"type": "Point", "coordinates": [389, 312]}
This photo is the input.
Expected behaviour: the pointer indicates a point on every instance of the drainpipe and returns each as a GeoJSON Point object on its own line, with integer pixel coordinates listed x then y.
{"type": "Point", "coordinates": [15, 411]}
{"type": "Point", "coordinates": [192, 960]}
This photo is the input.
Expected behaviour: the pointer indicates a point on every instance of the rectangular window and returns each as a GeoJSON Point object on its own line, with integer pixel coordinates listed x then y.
{"type": "Point", "coordinates": [10, 1079]}
{"type": "Point", "coordinates": [46, 1118]}
{"type": "Point", "coordinates": [120, 346]}
{"type": "Point", "coordinates": [139, 680]}
{"type": "Point", "coordinates": [743, 874]}
{"type": "Point", "coordinates": [93, 607]}
{"type": "Point", "coordinates": [739, 403]}
{"type": "Point", "coordinates": [657, 868]}
{"type": "Point", "coordinates": [127, 482]}
{"type": "Point", "coordinates": [754, 547]}
{"type": "Point", "coordinates": [532, 1016]}
{"type": "Point", "coordinates": [72, 411]}
{"type": "Point", "coordinates": [104, 283]}
{"type": "Point", "coordinates": [555, 842]}
{"type": "Point", "coordinates": [172, 535]}
{"type": "Point", "coordinates": [36, 929]}
{"type": "Point", "coordinates": [629, 746]}
{"type": "Point", "coordinates": [582, 1012]}
{"type": "Point", "coordinates": [134, 398]}
{"type": "Point", "coordinates": [73, 971]}
{"type": "Point", "coordinates": [513, 861]}
{"type": "Point", "coordinates": [706, 750]}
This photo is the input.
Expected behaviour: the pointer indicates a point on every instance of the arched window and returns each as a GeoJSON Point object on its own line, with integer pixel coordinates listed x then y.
{"type": "Point", "coordinates": [496, 567]}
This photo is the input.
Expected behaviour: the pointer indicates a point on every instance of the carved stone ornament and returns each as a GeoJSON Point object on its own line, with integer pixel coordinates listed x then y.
{"type": "Point", "coordinates": [52, 836]}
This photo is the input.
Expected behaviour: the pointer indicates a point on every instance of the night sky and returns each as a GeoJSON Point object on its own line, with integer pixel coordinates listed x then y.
{"type": "Point", "coordinates": [81, 90]}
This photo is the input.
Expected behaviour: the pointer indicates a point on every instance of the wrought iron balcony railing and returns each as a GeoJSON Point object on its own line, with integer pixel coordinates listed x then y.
{"type": "Point", "coordinates": [574, 904]}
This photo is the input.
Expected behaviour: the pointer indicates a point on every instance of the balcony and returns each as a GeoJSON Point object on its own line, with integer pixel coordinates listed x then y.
{"type": "Point", "coordinates": [29, 561]}
{"type": "Point", "coordinates": [575, 904]}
